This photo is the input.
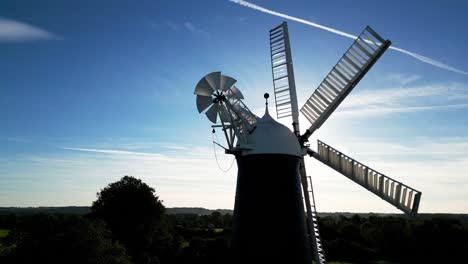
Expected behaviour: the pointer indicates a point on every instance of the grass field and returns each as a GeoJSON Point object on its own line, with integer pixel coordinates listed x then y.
{"type": "Point", "coordinates": [4, 233]}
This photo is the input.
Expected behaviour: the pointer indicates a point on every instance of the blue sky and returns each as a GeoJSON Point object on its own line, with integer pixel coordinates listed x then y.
{"type": "Point", "coordinates": [94, 90]}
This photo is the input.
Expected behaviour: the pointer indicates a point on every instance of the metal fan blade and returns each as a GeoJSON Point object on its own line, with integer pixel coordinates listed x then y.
{"type": "Point", "coordinates": [203, 88]}
{"type": "Point", "coordinates": [212, 113]}
{"type": "Point", "coordinates": [203, 102]}
{"type": "Point", "coordinates": [394, 192]}
{"type": "Point", "coordinates": [214, 79]}
{"type": "Point", "coordinates": [226, 82]}
{"type": "Point", "coordinates": [234, 92]}
{"type": "Point", "coordinates": [223, 115]}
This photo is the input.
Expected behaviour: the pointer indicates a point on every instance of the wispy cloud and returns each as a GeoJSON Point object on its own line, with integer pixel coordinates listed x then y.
{"type": "Point", "coordinates": [168, 150]}
{"type": "Point", "coordinates": [172, 25]}
{"type": "Point", "coordinates": [405, 99]}
{"type": "Point", "coordinates": [185, 26]}
{"type": "Point", "coordinates": [185, 176]}
{"type": "Point", "coordinates": [196, 30]}
{"type": "Point", "coordinates": [403, 79]}
{"type": "Point", "coordinates": [16, 31]}
{"type": "Point", "coordinates": [448, 148]}
{"type": "Point", "coordinates": [344, 34]}
{"type": "Point", "coordinates": [375, 111]}
{"type": "Point", "coordinates": [116, 152]}
{"type": "Point", "coordinates": [189, 176]}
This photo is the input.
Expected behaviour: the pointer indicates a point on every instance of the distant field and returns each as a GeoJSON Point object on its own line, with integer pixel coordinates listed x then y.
{"type": "Point", "coordinates": [81, 210]}
{"type": "Point", "coordinates": [4, 233]}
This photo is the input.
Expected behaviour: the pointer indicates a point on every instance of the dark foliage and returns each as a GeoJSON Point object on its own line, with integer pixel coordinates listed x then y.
{"type": "Point", "coordinates": [128, 218]}
{"type": "Point", "coordinates": [61, 239]}
{"type": "Point", "coordinates": [204, 238]}
{"type": "Point", "coordinates": [136, 217]}
{"type": "Point", "coordinates": [394, 239]}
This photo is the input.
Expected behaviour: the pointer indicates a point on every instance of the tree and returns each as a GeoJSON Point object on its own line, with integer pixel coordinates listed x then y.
{"type": "Point", "coordinates": [63, 239]}
{"type": "Point", "coordinates": [136, 217]}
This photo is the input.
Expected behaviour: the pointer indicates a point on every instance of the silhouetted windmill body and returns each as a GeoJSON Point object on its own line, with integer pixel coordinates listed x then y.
{"type": "Point", "coordinates": [275, 214]}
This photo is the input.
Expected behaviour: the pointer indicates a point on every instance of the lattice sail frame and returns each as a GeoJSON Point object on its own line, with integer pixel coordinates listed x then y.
{"type": "Point", "coordinates": [344, 76]}
{"type": "Point", "coordinates": [282, 71]}
{"type": "Point", "coordinates": [396, 193]}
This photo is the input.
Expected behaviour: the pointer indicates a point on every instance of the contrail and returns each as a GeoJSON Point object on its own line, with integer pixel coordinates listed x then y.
{"type": "Point", "coordinates": [429, 61]}
{"type": "Point", "coordinates": [344, 34]}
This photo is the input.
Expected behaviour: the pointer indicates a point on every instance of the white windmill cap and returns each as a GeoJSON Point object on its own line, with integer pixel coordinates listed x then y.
{"type": "Point", "coordinates": [271, 137]}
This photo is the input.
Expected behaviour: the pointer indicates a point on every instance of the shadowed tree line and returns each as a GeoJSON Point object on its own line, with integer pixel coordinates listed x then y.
{"type": "Point", "coordinates": [128, 224]}
{"type": "Point", "coordinates": [395, 239]}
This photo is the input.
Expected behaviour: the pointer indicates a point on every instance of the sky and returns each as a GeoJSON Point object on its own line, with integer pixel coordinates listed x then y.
{"type": "Point", "coordinates": [91, 91]}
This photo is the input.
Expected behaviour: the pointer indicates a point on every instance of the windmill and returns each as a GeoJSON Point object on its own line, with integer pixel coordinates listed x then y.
{"type": "Point", "coordinates": [270, 221]}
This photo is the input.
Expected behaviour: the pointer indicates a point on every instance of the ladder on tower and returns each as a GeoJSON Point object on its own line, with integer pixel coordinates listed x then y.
{"type": "Point", "coordinates": [319, 254]}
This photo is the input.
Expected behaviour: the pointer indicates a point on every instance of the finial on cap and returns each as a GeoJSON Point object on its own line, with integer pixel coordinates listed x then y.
{"type": "Point", "coordinates": [266, 95]}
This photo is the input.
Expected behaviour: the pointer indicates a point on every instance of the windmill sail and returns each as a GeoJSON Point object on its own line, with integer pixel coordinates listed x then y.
{"type": "Point", "coordinates": [283, 75]}
{"type": "Point", "coordinates": [344, 76]}
{"type": "Point", "coordinates": [396, 193]}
